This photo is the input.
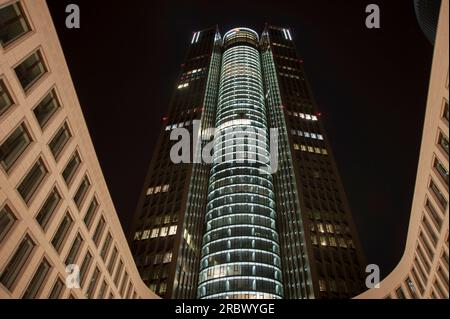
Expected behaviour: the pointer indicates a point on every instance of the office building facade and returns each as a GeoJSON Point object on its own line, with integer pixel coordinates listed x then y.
{"type": "Point", "coordinates": [422, 273]}
{"type": "Point", "coordinates": [55, 208]}
{"type": "Point", "coordinates": [253, 222]}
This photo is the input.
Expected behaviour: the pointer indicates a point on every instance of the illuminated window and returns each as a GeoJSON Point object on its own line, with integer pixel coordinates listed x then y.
{"type": "Point", "coordinates": [322, 285]}
{"type": "Point", "coordinates": [155, 233]}
{"type": "Point", "coordinates": [172, 230]}
{"type": "Point", "coordinates": [150, 191]}
{"type": "Point", "coordinates": [164, 231]}
{"type": "Point", "coordinates": [167, 257]}
{"type": "Point", "coordinates": [165, 188]}
{"type": "Point", "coordinates": [145, 234]}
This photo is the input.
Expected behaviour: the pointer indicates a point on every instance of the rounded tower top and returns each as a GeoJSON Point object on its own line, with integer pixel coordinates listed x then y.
{"type": "Point", "coordinates": [238, 36]}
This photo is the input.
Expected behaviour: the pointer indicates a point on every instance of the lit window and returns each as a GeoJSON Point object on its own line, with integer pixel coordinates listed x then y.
{"type": "Point", "coordinates": [303, 147]}
{"type": "Point", "coordinates": [313, 117]}
{"type": "Point", "coordinates": [150, 191]}
{"type": "Point", "coordinates": [296, 147]}
{"type": "Point", "coordinates": [310, 149]}
{"type": "Point", "coordinates": [319, 136]}
{"type": "Point", "coordinates": [165, 188]}
{"type": "Point", "coordinates": [317, 150]}
{"type": "Point", "coordinates": [137, 235]}
{"type": "Point", "coordinates": [157, 189]}
{"type": "Point", "coordinates": [163, 232]}
{"type": "Point", "coordinates": [322, 285]}
{"type": "Point", "coordinates": [155, 233]}
{"type": "Point", "coordinates": [172, 230]}
{"type": "Point", "coordinates": [167, 257]}
{"type": "Point", "coordinates": [324, 151]}
{"type": "Point", "coordinates": [306, 134]}
{"type": "Point", "coordinates": [323, 241]}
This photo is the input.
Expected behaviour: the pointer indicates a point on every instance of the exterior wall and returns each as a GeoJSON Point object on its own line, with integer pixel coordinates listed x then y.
{"type": "Point", "coordinates": [423, 272]}
{"type": "Point", "coordinates": [44, 37]}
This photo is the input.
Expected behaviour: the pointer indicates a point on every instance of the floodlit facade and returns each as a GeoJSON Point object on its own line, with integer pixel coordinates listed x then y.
{"type": "Point", "coordinates": [254, 222]}
{"type": "Point", "coordinates": [423, 270]}
{"type": "Point", "coordinates": [55, 208]}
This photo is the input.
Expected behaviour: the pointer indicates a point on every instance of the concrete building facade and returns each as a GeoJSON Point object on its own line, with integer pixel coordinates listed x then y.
{"type": "Point", "coordinates": [423, 270]}
{"type": "Point", "coordinates": [55, 208]}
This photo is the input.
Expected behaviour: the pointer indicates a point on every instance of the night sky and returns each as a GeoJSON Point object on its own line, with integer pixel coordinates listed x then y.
{"type": "Point", "coordinates": [370, 85]}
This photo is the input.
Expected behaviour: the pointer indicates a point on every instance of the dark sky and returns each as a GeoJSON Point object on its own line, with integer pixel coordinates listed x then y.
{"type": "Point", "coordinates": [371, 87]}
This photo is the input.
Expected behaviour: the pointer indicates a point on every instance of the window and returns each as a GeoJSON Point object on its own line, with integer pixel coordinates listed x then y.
{"type": "Point", "coordinates": [57, 289]}
{"type": "Point", "coordinates": [73, 252]}
{"type": "Point", "coordinates": [71, 168]}
{"type": "Point", "coordinates": [167, 257]}
{"type": "Point", "coordinates": [7, 220]}
{"type": "Point", "coordinates": [62, 232]}
{"type": "Point", "coordinates": [112, 261]}
{"type": "Point", "coordinates": [46, 108]}
{"type": "Point", "coordinates": [89, 217]}
{"type": "Point", "coordinates": [5, 99]}
{"type": "Point", "coordinates": [102, 291]}
{"type": "Point", "coordinates": [82, 191]}
{"type": "Point", "coordinates": [162, 288]}
{"type": "Point", "coordinates": [31, 70]}
{"type": "Point", "coordinates": [106, 246]}
{"type": "Point", "coordinates": [443, 173]}
{"type": "Point", "coordinates": [60, 140]}
{"type": "Point", "coordinates": [17, 262]}
{"type": "Point", "coordinates": [445, 113]}
{"type": "Point", "coordinates": [163, 232]}
{"type": "Point", "coordinates": [439, 196]}
{"type": "Point", "coordinates": [443, 142]}
{"type": "Point", "coordinates": [155, 233]}
{"type": "Point", "coordinates": [13, 23]}
{"type": "Point", "coordinates": [84, 269]}
{"type": "Point", "coordinates": [399, 293]}
{"type": "Point", "coordinates": [99, 231]}
{"type": "Point", "coordinates": [45, 213]}
{"type": "Point", "coordinates": [172, 230]}
{"type": "Point", "coordinates": [123, 284]}
{"type": "Point", "coordinates": [118, 273]}
{"type": "Point", "coordinates": [32, 180]}
{"type": "Point", "coordinates": [93, 283]}
{"type": "Point", "coordinates": [434, 214]}
{"type": "Point", "coordinates": [38, 278]}
{"type": "Point", "coordinates": [14, 146]}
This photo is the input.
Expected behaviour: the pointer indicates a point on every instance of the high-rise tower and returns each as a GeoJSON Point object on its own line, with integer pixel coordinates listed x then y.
{"type": "Point", "coordinates": [251, 224]}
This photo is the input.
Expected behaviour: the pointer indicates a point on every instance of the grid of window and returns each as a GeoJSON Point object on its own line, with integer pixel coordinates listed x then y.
{"type": "Point", "coordinates": [14, 146]}
{"type": "Point", "coordinates": [46, 211]}
{"type": "Point", "coordinates": [17, 262]}
{"type": "Point", "coordinates": [32, 180]}
{"type": "Point", "coordinates": [13, 23]}
{"type": "Point", "coordinates": [31, 70]}
{"type": "Point", "coordinates": [36, 283]}
{"type": "Point", "coordinates": [5, 98]}
{"type": "Point", "coordinates": [60, 140]}
{"type": "Point", "coordinates": [7, 220]}
{"type": "Point", "coordinates": [46, 108]}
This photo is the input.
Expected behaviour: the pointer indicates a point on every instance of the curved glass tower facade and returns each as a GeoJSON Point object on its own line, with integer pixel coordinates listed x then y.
{"type": "Point", "coordinates": [240, 251]}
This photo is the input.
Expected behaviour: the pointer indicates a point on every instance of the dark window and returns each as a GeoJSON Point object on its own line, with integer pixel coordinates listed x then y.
{"type": "Point", "coordinates": [99, 231]}
{"type": "Point", "coordinates": [57, 289]}
{"type": "Point", "coordinates": [112, 261]}
{"type": "Point", "coordinates": [441, 170]}
{"type": "Point", "coordinates": [46, 108]}
{"type": "Point", "coordinates": [84, 269]}
{"type": "Point", "coordinates": [106, 246]}
{"type": "Point", "coordinates": [434, 214]}
{"type": "Point", "coordinates": [93, 283]}
{"type": "Point", "coordinates": [7, 220]}
{"type": "Point", "coordinates": [81, 191]}
{"type": "Point", "coordinates": [14, 146]}
{"type": "Point", "coordinates": [71, 168]}
{"type": "Point", "coordinates": [445, 114]}
{"type": "Point", "coordinates": [60, 140]}
{"type": "Point", "coordinates": [13, 23]}
{"type": "Point", "coordinates": [5, 99]}
{"type": "Point", "coordinates": [61, 233]}
{"type": "Point", "coordinates": [118, 273]}
{"type": "Point", "coordinates": [49, 207]}
{"type": "Point", "coordinates": [411, 288]}
{"type": "Point", "coordinates": [89, 217]}
{"type": "Point", "coordinates": [30, 70]}
{"type": "Point", "coordinates": [38, 278]}
{"type": "Point", "coordinates": [400, 294]}
{"type": "Point", "coordinates": [76, 245]}
{"type": "Point", "coordinates": [32, 180]}
{"type": "Point", "coordinates": [15, 265]}
{"type": "Point", "coordinates": [438, 194]}
{"type": "Point", "coordinates": [443, 142]}
{"type": "Point", "coordinates": [102, 291]}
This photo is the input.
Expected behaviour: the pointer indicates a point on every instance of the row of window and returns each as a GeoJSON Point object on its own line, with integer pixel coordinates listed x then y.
{"type": "Point", "coordinates": [315, 136]}
{"type": "Point", "coordinates": [156, 232]}
{"type": "Point", "coordinates": [310, 149]}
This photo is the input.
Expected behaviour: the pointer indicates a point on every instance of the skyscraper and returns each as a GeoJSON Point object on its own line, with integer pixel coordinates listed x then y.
{"type": "Point", "coordinates": [256, 221]}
